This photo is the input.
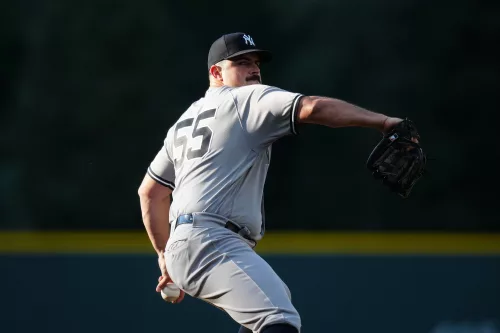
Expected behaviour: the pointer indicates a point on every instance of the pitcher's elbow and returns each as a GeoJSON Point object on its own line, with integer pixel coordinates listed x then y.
{"type": "Point", "coordinates": [309, 107]}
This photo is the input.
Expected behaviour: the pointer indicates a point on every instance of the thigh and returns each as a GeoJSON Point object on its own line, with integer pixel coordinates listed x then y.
{"type": "Point", "coordinates": [220, 268]}
{"type": "Point", "coordinates": [249, 290]}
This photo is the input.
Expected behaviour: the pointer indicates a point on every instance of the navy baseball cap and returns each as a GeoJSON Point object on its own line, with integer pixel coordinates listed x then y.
{"type": "Point", "coordinates": [232, 45]}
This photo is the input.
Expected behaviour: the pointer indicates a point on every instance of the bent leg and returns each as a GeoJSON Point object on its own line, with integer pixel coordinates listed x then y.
{"type": "Point", "coordinates": [232, 276]}
{"type": "Point", "coordinates": [217, 266]}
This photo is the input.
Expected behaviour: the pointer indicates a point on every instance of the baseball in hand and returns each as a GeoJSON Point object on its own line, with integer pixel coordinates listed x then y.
{"type": "Point", "coordinates": [170, 293]}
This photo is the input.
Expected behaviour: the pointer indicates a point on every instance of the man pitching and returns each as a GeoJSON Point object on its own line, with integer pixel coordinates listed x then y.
{"type": "Point", "coordinates": [215, 160]}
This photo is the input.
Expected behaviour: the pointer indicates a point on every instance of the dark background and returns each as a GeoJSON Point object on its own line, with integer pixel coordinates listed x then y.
{"type": "Point", "coordinates": [88, 90]}
{"type": "Point", "coordinates": [347, 295]}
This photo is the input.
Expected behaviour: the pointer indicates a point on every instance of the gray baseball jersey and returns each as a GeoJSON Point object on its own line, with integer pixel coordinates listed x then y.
{"type": "Point", "coordinates": [216, 156]}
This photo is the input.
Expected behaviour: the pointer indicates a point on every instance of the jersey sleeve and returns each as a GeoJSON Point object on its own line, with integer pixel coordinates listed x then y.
{"type": "Point", "coordinates": [266, 112]}
{"type": "Point", "coordinates": [162, 168]}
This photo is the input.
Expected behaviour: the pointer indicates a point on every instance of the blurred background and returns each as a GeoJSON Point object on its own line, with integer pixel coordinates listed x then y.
{"type": "Point", "coordinates": [88, 90]}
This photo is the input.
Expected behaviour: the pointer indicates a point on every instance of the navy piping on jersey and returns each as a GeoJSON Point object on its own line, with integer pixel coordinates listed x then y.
{"type": "Point", "coordinates": [160, 180]}
{"type": "Point", "coordinates": [293, 113]}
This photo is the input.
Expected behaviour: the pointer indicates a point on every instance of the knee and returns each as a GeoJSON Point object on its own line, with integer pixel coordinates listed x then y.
{"type": "Point", "coordinates": [280, 328]}
{"type": "Point", "coordinates": [287, 290]}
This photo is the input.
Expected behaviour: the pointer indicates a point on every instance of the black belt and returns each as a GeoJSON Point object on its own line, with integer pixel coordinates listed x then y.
{"type": "Point", "coordinates": [243, 232]}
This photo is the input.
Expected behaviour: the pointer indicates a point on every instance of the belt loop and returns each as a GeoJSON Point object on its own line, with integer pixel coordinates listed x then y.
{"type": "Point", "coordinates": [244, 231]}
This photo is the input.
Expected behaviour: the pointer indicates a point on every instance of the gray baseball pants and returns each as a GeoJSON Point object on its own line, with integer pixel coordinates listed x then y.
{"type": "Point", "coordinates": [212, 263]}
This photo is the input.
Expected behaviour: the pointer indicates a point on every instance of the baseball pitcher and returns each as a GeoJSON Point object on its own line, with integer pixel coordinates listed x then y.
{"type": "Point", "coordinates": [213, 163]}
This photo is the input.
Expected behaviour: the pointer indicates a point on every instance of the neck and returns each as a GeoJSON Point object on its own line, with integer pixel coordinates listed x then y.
{"type": "Point", "coordinates": [216, 84]}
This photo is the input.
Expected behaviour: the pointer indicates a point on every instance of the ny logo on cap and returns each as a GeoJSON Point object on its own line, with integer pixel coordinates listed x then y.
{"type": "Point", "coordinates": [248, 40]}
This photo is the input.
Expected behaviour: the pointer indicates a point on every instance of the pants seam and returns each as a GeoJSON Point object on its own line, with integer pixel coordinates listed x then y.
{"type": "Point", "coordinates": [256, 284]}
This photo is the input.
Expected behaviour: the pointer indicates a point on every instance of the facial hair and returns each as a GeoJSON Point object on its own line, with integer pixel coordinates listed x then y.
{"type": "Point", "coordinates": [254, 78]}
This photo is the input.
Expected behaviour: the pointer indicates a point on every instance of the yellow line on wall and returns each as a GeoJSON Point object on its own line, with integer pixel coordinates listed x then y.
{"type": "Point", "coordinates": [359, 243]}
{"type": "Point", "coordinates": [382, 243]}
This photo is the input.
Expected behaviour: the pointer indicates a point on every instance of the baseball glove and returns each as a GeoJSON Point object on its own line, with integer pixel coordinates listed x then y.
{"type": "Point", "coordinates": [398, 159]}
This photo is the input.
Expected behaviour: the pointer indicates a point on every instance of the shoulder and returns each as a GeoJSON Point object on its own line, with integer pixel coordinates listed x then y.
{"type": "Point", "coordinates": [255, 90]}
